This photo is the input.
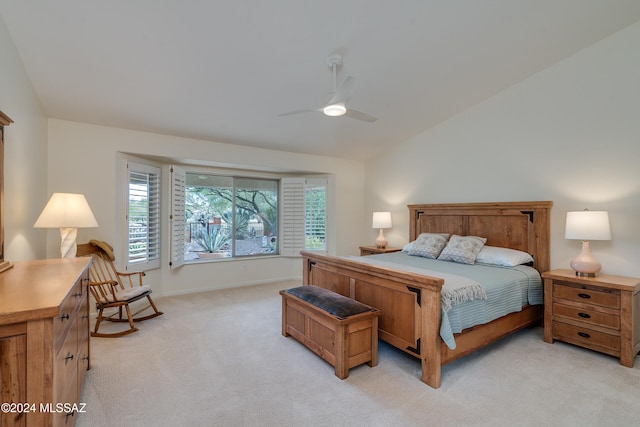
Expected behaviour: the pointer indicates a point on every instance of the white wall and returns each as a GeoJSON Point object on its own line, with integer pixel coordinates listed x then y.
{"type": "Point", "coordinates": [83, 158]}
{"type": "Point", "coordinates": [570, 134]}
{"type": "Point", "coordinates": [25, 163]}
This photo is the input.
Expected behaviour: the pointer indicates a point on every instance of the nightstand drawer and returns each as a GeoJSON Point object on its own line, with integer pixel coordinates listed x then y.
{"type": "Point", "coordinates": [603, 297]}
{"type": "Point", "coordinates": [587, 338]}
{"type": "Point", "coordinates": [585, 315]}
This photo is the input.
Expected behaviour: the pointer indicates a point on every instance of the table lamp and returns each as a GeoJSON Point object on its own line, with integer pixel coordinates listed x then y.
{"type": "Point", "coordinates": [381, 220]}
{"type": "Point", "coordinates": [587, 225]}
{"type": "Point", "coordinates": [68, 212]}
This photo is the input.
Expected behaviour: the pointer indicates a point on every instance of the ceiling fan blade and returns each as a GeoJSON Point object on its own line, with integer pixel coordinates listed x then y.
{"type": "Point", "coordinates": [359, 115]}
{"type": "Point", "coordinates": [291, 113]}
{"type": "Point", "coordinates": [344, 91]}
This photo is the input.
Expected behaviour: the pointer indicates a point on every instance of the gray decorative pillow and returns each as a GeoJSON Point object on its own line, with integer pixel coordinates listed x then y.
{"type": "Point", "coordinates": [428, 245]}
{"type": "Point", "coordinates": [462, 249]}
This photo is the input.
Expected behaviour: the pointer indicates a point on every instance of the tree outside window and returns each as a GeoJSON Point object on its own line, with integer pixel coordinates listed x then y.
{"type": "Point", "coordinates": [230, 216]}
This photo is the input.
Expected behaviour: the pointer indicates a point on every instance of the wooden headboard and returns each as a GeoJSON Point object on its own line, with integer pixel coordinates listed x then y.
{"type": "Point", "coordinates": [517, 225]}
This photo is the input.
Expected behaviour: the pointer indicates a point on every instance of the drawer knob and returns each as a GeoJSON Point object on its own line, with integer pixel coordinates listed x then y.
{"type": "Point", "coordinates": [584, 335]}
{"type": "Point", "coordinates": [585, 296]}
{"type": "Point", "coordinates": [584, 315]}
{"type": "Point", "coordinates": [64, 316]}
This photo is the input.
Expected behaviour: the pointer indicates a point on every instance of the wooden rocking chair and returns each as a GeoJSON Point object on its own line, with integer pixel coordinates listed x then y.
{"type": "Point", "coordinates": [113, 289]}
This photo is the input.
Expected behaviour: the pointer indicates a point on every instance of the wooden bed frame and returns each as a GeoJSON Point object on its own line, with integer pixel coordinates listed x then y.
{"type": "Point", "coordinates": [410, 303]}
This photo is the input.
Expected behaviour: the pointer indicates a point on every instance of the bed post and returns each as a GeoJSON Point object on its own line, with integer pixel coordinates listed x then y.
{"type": "Point", "coordinates": [430, 355]}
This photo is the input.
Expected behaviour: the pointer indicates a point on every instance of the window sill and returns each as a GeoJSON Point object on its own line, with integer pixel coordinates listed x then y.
{"type": "Point", "coordinates": [230, 259]}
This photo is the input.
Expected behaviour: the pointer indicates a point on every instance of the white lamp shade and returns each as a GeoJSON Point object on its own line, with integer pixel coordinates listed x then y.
{"type": "Point", "coordinates": [587, 225]}
{"type": "Point", "coordinates": [381, 220]}
{"type": "Point", "coordinates": [66, 210]}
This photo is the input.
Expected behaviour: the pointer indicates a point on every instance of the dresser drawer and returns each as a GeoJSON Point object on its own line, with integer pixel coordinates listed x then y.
{"type": "Point", "coordinates": [64, 414]}
{"type": "Point", "coordinates": [586, 337]}
{"type": "Point", "coordinates": [65, 363]}
{"type": "Point", "coordinates": [68, 310]}
{"type": "Point", "coordinates": [601, 297]}
{"type": "Point", "coordinates": [83, 346]}
{"type": "Point", "coordinates": [587, 316]}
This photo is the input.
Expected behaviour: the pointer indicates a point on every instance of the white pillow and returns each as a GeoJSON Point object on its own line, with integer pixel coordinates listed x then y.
{"type": "Point", "coordinates": [428, 245]}
{"type": "Point", "coordinates": [462, 249]}
{"type": "Point", "coordinates": [506, 257]}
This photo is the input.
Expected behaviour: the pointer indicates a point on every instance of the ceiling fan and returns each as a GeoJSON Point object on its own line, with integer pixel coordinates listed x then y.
{"type": "Point", "coordinates": [338, 97]}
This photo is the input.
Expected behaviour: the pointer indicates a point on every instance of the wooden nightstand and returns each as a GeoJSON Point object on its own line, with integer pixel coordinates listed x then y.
{"type": "Point", "coordinates": [370, 250]}
{"type": "Point", "coordinates": [600, 313]}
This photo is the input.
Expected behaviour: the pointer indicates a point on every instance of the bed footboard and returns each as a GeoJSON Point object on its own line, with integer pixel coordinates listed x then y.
{"type": "Point", "coordinates": [409, 304]}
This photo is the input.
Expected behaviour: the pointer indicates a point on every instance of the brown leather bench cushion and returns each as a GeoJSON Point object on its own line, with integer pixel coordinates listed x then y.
{"type": "Point", "coordinates": [331, 302]}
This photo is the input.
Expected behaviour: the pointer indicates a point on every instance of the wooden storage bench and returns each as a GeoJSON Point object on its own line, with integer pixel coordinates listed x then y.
{"type": "Point", "coordinates": [342, 331]}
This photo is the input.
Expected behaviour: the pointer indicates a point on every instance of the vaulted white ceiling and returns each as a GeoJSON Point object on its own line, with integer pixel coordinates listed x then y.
{"type": "Point", "coordinates": [224, 70]}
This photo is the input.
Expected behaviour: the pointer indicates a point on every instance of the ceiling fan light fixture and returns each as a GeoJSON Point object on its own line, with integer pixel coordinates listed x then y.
{"type": "Point", "coordinates": [335, 110]}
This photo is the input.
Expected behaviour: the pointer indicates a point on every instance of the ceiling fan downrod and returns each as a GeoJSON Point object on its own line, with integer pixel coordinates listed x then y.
{"type": "Point", "coordinates": [334, 110]}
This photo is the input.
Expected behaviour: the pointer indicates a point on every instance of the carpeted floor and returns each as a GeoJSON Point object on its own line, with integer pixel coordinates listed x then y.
{"type": "Point", "coordinates": [219, 359]}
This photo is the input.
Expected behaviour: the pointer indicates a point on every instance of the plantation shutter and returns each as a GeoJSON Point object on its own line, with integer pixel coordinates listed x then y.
{"type": "Point", "coordinates": [143, 217]}
{"type": "Point", "coordinates": [293, 216]}
{"type": "Point", "coordinates": [176, 217]}
{"type": "Point", "coordinates": [316, 213]}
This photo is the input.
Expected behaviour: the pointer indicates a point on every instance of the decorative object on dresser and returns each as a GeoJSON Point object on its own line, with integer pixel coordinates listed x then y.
{"type": "Point", "coordinates": [44, 340]}
{"type": "Point", "coordinates": [112, 289]}
{"type": "Point", "coordinates": [4, 121]}
{"type": "Point", "coordinates": [381, 220]}
{"type": "Point", "coordinates": [587, 225]}
{"type": "Point", "coordinates": [410, 300]}
{"type": "Point", "coordinates": [340, 330]}
{"type": "Point", "coordinates": [600, 313]}
{"type": "Point", "coordinates": [68, 212]}
{"type": "Point", "coordinates": [372, 250]}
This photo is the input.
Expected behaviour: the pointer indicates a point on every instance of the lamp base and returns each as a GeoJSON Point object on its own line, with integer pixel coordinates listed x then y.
{"type": "Point", "coordinates": [585, 265]}
{"type": "Point", "coordinates": [581, 274]}
{"type": "Point", "coordinates": [68, 245]}
{"type": "Point", "coordinates": [381, 242]}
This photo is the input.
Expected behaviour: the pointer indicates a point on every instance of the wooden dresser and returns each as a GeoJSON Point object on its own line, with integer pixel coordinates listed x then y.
{"type": "Point", "coordinates": [44, 341]}
{"type": "Point", "coordinates": [601, 313]}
